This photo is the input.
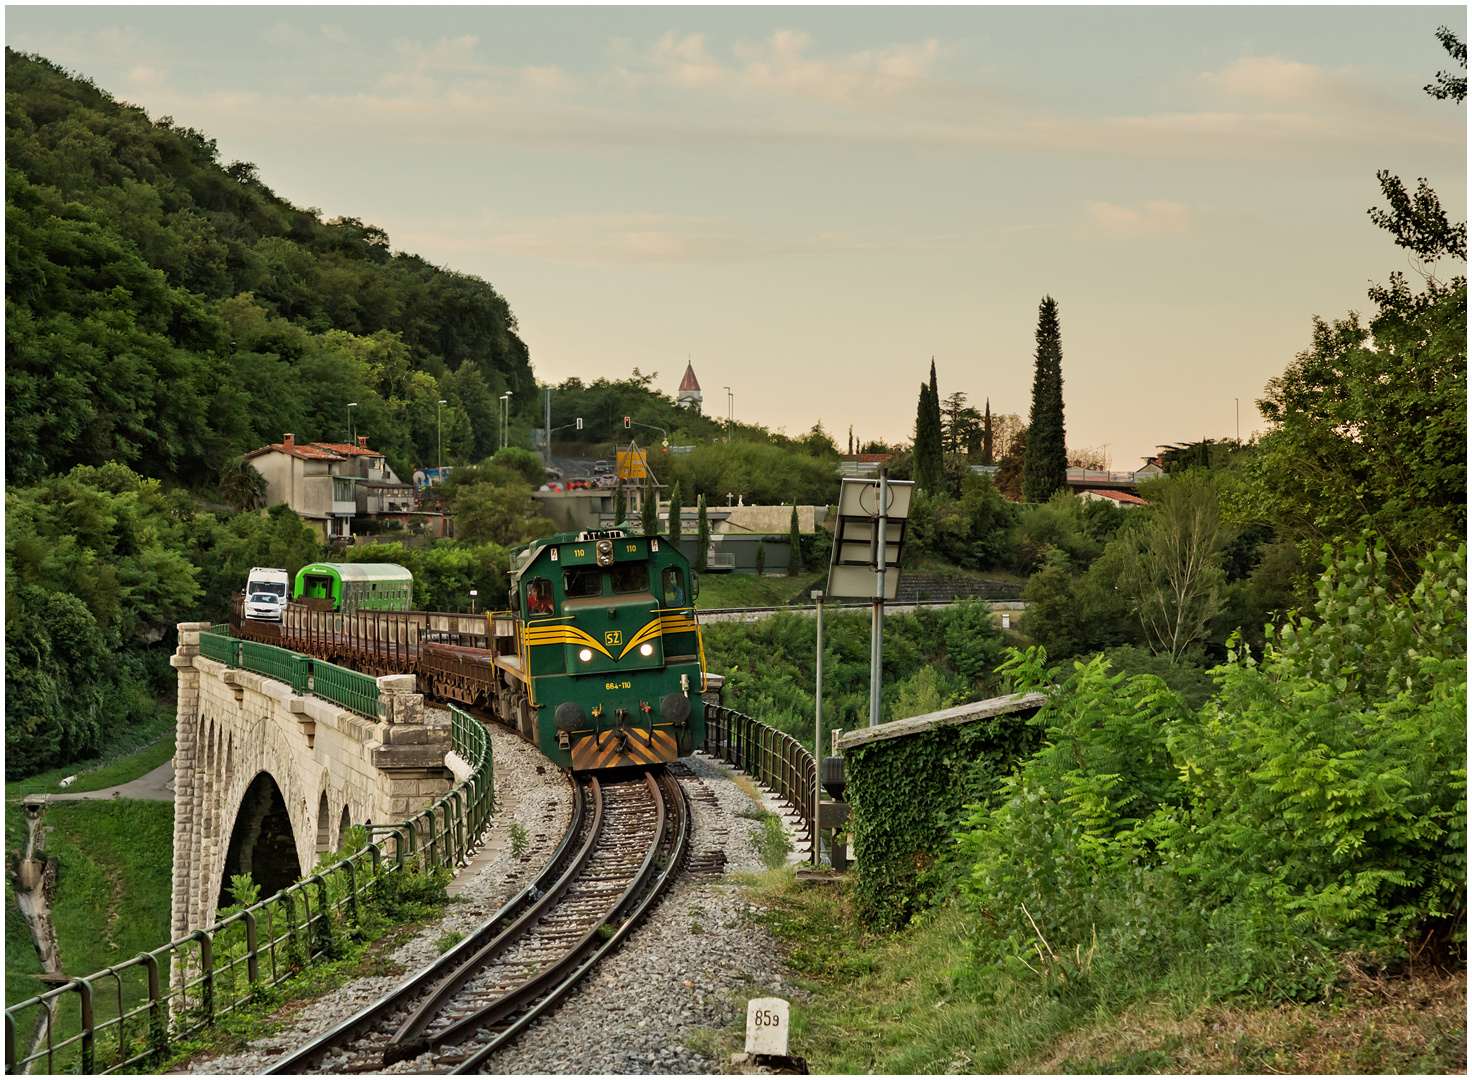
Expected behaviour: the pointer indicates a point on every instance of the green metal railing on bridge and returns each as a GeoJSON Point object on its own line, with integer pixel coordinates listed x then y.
{"type": "Point", "coordinates": [126, 1017]}
{"type": "Point", "coordinates": [773, 758]}
{"type": "Point", "coordinates": [352, 690]}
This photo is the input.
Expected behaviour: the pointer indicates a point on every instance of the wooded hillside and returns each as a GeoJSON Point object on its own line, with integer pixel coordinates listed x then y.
{"type": "Point", "coordinates": [169, 311]}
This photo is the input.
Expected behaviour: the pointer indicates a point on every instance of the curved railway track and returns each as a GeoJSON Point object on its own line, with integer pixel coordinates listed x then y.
{"type": "Point", "coordinates": [624, 846]}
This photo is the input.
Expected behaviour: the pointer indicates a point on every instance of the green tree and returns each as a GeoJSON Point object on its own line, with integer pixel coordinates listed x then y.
{"type": "Point", "coordinates": [702, 538]}
{"type": "Point", "coordinates": [649, 522]}
{"type": "Point", "coordinates": [761, 558]}
{"type": "Point", "coordinates": [928, 436]}
{"type": "Point", "coordinates": [986, 436]}
{"type": "Point", "coordinates": [1369, 425]}
{"type": "Point", "coordinates": [1176, 577]}
{"type": "Point", "coordinates": [794, 546]}
{"type": "Point", "coordinates": [1045, 467]}
{"type": "Point", "coordinates": [620, 505]}
{"type": "Point", "coordinates": [673, 518]}
{"type": "Point", "coordinates": [1010, 470]}
{"type": "Point", "coordinates": [242, 486]}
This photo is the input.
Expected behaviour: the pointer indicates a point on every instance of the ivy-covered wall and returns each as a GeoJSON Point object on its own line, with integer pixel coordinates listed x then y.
{"type": "Point", "coordinates": [906, 796]}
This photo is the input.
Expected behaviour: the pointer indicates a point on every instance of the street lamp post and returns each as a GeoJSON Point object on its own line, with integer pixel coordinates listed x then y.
{"type": "Point", "coordinates": [352, 434]}
{"type": "Point", "coordinates": [505, 419]}
{"type": "Point", "coordinates": [729, 398]}
{"type": "Point", "coordinates": [440, 439]}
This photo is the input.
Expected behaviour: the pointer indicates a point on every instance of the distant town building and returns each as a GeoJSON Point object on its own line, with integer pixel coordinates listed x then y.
{"type": "Point", "coordinates": [1121, 499]}
{"type": "Point", "coordinates": [688, 396]}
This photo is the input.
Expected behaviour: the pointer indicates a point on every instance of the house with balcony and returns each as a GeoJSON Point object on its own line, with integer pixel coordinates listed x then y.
{"type": "Point", "coordinates": [327, 485]}
{"type": "Point", "coordinates": [377, 490]}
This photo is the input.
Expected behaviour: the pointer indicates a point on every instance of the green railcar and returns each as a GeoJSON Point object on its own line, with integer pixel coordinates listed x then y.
{"type": "Point", "coordinates": [356, 586]}
{"type": "Point", "coordinates": [605, 669]}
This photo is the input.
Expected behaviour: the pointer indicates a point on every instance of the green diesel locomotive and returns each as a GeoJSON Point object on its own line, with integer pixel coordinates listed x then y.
{"type": "Point", "coordinates": [600, 658]}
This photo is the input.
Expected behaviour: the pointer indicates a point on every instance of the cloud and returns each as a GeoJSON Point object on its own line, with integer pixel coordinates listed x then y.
{"type": "Point", "coordinates": [654, 240]}
{"type": "Point", "coordinates": [682, 92]}
{"type": "Point", "coordinates": [147, 77]}
{"type": "Point", "coordinates": [1272, 78]}
{"type": "Point", "coordinates": [780, 66]}
{"type": "Point", "coordinates": [1155, 219]}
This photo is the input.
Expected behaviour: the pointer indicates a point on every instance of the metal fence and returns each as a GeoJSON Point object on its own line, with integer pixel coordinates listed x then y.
{"type": "Point", "coordinates": [352, 690]}
{"type": "Point", "coordinates": [774, 759]}
{"type": "Point", "coordinates": [126, 1017]}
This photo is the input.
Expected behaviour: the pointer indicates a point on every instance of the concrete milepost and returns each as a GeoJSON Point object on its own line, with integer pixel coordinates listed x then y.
{"type": "Point", "coordinates": [767, 1025]}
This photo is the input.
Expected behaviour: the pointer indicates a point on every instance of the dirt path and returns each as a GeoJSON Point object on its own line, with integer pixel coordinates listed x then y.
{"type": "Point", "coordinates": [158, 784]}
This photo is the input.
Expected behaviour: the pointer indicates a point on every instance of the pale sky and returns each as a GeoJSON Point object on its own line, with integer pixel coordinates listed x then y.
{"type": "Point", "coordinates": [811, 202]}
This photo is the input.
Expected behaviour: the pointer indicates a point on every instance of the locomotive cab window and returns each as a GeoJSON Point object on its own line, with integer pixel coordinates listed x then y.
{"type": "Point", "coordinates": [539, 597]}
{"type": "Point", "coordinates": [674, 587]}
{"type": "Point", "coordinates": [582, 581]}
{"type": "Point", "coordinates": [630, 577]}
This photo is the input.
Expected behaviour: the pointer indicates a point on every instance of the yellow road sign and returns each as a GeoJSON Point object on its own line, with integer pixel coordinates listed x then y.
{"type": "Point", "coordinates": [633, 464]}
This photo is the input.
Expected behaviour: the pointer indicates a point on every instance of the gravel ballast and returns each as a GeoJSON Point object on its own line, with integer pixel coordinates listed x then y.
{"type": "Point", "coordinates": [682, 971]}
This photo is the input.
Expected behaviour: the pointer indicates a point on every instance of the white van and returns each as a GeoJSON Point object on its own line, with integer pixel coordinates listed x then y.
{"type": "Point", "coordinates": [267, 590]}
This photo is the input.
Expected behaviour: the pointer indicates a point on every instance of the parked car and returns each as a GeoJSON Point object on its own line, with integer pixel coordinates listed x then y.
{"type": "Point", "coordinates": [600, 467]}
{"type": "Point", "coordinates": [264, 606]}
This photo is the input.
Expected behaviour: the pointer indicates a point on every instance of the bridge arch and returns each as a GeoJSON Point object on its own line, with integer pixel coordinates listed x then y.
{"type": "Point", "coordinates": [268, 779]}
{"type": "Point", "coordinates": [262, 841]}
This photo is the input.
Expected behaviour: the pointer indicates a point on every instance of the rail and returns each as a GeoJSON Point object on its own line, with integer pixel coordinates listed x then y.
{"type": "Point", "coordinates": [773, 758]}
{"type": "Point", "coordinates": [127, 1016]}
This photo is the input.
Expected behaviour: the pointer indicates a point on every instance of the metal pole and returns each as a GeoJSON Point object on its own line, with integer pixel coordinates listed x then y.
{"type": "Point", "coordinates": [876, 632]}
{"type": "Point", "coordinates": [440, 439]}
{"type": "Point", "coordinates": [548, 428]}
{"type": "Point", "coordinates": [818, 741]}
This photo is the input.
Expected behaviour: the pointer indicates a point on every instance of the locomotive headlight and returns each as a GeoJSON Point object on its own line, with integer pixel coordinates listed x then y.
{"type": "Point", "coordinates": [646, 649]}
{"type": "Point", "coordinates": [585, 655]}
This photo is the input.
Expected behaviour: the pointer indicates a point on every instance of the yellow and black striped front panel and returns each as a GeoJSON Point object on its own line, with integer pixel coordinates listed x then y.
{"type": "Point", "coordinates": [636, 747]}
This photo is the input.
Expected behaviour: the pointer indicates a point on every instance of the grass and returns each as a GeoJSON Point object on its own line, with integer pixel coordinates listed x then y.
{"type": "Point", "coordinates": [114, 884]}
{"type": "Point", "coordinates": [910, 1003]}
{"type": "Point", "coordinates": [132, 753]}
{"type": "Point", "coordinates": [368, 952]}
{"type": "Point", "coordinates": [749, 590]}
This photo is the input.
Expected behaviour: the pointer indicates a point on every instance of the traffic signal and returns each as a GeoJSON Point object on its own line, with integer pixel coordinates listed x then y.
{"type": "Point", "coordinates": [628, 423]}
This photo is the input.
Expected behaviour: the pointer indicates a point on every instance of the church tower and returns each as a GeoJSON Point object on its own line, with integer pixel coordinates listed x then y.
{"type": "Point", "coordinates": [688, 396]}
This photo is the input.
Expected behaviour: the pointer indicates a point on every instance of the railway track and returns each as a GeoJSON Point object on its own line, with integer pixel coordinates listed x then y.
{"type": "Point", "coordinates": [625, 844]}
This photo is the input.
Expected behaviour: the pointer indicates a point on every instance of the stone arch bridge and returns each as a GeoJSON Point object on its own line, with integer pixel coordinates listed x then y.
{"type": "Point", "coordinates": [268, 780]}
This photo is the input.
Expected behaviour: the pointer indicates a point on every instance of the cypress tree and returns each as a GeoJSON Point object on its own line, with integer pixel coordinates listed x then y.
{"type": "Point", "coordinates": [702, 538]}
{"type": "Point", "coordinates": [650, 517]}
{"type": "Point", "coordinates": [986, 435]}
{"type": "Point", "coordinates": [928, 451]}
{"type": "Point", "coordinates": [761, 557]}
{"type": "Point", "coordinates": [794, 540]}
{"type": "Point", "coordinates": [1045, 468]}
{"type": "Point", "coordinates": [620, 505]}
{"type": "Point", "coordinates": [674, 515]}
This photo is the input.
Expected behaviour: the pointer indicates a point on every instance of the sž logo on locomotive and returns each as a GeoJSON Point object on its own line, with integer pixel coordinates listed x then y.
{"type": "Point", "coordinates": [613, 638]}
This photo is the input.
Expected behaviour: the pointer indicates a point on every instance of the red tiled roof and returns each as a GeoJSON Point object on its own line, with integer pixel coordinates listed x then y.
{"type": "Point", "coordinates": [689, 382]}
{"type": "Point", "coordinates": [1119, 496]}
{"type": "Point", "coordinates": [305, 451]}
{"type": "Point", "coordinates": [347, 448]}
